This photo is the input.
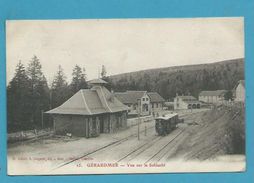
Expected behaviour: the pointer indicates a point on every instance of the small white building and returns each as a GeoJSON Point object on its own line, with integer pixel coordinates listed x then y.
{"type": "Point", "coordinates": [239, 91]}
{"type": "Point", "coordinates": [186, 102]}
{"type": "Point", "coordinates": [216, 96]}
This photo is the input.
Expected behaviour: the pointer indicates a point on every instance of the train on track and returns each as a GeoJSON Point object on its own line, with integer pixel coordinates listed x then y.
{"type": "Point", "coordinates": [166, 124]}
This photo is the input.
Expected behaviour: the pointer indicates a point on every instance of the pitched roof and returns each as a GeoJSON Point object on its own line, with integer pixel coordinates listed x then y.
{"type": "Point", "coordinates": [187, 98]}
{"type": "Point", "coordinates": [155, 97]}
{"type": "Point", "coordinates": [97, 81]}
{"type": "Point", "coordinates": [130, 97]}
{"type": "Point", "coordinates": [242, 82]}
{"type": "Point", "coordinates": [96, 100]}
{"type": "Point", "coordinates": [213, 93]}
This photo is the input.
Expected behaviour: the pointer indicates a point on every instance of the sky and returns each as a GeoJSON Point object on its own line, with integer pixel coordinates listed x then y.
{"type": "Point", "coordinates": [122, 45]}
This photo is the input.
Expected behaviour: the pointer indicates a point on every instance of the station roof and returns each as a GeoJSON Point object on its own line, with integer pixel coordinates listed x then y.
{"type": "Point", "coordinates": [96, 100]}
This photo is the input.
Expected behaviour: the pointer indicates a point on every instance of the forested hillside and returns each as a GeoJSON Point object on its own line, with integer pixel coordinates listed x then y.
{"type": "Point", "coordinates": [29, 94]}
{"type": "Point", "coordinates": [190, 79]}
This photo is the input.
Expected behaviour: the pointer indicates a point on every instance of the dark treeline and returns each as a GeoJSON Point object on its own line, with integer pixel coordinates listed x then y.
{"type": "Point", "coordinates": [29, 95]}
{"type": "Point", "coordinates": [184, 80]}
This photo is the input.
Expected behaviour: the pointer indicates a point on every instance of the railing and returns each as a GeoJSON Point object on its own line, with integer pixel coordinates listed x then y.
{"type": "Point", "coordinates": [29, 134]}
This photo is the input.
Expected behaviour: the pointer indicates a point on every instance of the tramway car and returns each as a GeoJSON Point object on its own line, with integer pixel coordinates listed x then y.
{"type": "Point", "coordinates": [166, 124]}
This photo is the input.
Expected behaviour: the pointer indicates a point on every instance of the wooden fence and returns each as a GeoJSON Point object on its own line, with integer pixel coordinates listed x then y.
{"type": "Point", "coordinates": [29, 135]}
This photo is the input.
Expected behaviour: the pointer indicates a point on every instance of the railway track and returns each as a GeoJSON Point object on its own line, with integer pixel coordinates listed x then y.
{"type": "Point", "coordinates": [131, 155]}
{"type": "Point", "coordinates": [134, 153]}
{"type": "Point", "coordinates": [115, 143]}
{"type": "Point", "coordinates": [146, 146]}
{"type": "Point", "coordinates": [161, 152]}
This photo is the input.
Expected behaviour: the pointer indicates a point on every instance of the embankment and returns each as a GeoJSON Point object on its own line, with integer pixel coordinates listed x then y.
{"type": "Point", "coordinates": [217, 132]}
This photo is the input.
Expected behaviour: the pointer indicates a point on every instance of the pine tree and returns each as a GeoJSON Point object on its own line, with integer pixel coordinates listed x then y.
{"type": "Point", "coordinates": [39, 92]}
{"type": "Point", "coordinates": [78, 79]}
{"type": "Point", "coordinates": [18, 100]}
{"type": "Point", "coordinates": [59, 89]}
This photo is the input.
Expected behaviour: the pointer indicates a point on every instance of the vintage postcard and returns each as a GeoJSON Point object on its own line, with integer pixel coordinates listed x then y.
{"type": "Point", "coordinates": [107, 96]}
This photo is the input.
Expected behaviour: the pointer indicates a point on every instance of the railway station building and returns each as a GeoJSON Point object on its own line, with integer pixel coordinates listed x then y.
{"type": "Point", "coordinates": [90, 112]}
{"type": "Point", "coordinates": [143, 102]}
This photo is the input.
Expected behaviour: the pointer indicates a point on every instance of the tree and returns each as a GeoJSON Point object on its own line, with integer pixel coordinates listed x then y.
{"type": "Point", "coordinates": [59, 89]}
{"type": "Point", "coordinates": [103, 71]}
{"type": "Point", "coordinates": [18, 100]}
{"type": "Point", "coordinates": [39, 92]}
{"type": "Point", "coordinates": [78, 79]}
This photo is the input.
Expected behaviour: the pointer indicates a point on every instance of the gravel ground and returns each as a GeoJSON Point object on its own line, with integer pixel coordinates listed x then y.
{"type": "Point", "coordinates": [199, 140]}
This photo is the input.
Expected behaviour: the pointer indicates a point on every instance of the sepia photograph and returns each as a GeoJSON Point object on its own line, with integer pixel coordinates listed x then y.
{"type": "Point", "coordinates": [122, 96]}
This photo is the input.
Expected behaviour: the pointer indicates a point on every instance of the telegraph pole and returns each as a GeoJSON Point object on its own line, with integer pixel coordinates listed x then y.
{"type": "Point", "coordinates": [139, 111]}
{"type": "Point", "coordinates": [42, 119]}
{"type": "Point", "coordinates": [145, 130]}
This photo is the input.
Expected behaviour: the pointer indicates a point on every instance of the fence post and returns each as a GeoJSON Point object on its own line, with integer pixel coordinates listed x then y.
{"type": "Point", "coordinates": [138, 125]}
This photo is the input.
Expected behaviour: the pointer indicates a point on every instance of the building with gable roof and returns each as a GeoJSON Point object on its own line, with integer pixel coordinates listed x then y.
{"type": "Point", "coordinates": [142, 102]}
{"type": "Point", "coordinates": [239, 91]}
{"type": "Point", "coordinates": [156, 101]}
{"type": "Point", "coordinates": [186, 102]}
{"type": "Point", "coordinates": [90, 112]}
{"type": "Point", "coordinates": [216, 96]}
